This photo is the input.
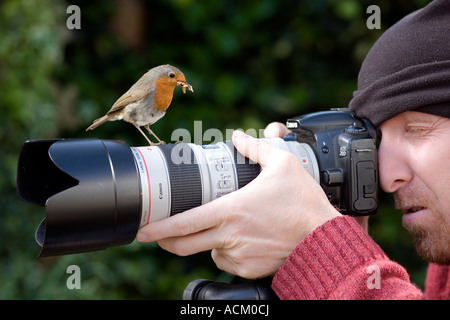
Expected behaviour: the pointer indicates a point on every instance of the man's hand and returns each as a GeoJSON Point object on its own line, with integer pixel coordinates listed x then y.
{"type": "Point", "coordinates": [250, 231]}
{"type": "Point", "coordinates": [279, 130]}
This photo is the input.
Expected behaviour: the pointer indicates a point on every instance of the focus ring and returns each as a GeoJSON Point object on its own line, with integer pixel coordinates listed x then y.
{"type": "Point", "coordinates": [185, 180]}
{"type": "Point", "coordinates": [246, 171]}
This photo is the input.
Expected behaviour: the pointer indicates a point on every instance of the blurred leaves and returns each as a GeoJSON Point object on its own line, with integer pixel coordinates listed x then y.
{"type": "Point", "coordinates": [26, 74]}
{"type": "Point", "coordinates": [250, 62]}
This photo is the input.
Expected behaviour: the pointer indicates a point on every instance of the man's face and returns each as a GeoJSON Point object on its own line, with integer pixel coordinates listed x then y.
{"type": "Point", "coordinates": [414, 164]}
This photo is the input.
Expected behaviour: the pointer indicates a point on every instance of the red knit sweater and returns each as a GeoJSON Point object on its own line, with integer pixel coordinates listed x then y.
{"type": "Point", "coordinates": [339, 260]}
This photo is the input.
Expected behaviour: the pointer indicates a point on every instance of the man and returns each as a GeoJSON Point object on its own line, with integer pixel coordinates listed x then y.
{"type": "Point", "coordinates": [313, 251]}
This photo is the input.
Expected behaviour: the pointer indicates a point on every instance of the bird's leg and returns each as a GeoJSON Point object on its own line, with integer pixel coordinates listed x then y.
{"type": "Point", "coordinates": [149, 130]}
{"type": "Point", "coordinates": [151, 143]}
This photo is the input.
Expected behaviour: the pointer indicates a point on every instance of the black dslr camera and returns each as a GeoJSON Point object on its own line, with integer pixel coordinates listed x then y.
{"type": "Point", "coordinates": [98, 193]}
{"type": "Point", "coordinates": [345, 147]}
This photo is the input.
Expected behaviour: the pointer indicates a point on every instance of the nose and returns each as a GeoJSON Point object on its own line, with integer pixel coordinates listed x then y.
{"type": "Point", "coordinates": [393, 160]}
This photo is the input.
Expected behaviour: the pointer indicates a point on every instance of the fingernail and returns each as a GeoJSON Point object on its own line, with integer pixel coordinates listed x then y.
{"type": "Point", "coordinates": [239, 134]}
{"type": "Point", "coordinates": [141, 237]}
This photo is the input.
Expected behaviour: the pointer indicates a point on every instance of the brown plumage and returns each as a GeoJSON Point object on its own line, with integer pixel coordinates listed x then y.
{"type": "Point", "coordinates": [147, 100]}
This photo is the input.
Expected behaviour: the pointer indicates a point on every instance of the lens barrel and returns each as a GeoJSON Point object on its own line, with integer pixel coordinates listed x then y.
{"type": "Point", "coordinates": [178, 177]}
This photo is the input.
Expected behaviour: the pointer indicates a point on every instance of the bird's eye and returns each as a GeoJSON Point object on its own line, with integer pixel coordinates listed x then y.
{"type": "Point", "coordinates": [172, 75]}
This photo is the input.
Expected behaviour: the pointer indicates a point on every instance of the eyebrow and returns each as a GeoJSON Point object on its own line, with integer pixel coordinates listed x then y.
{"type": "Point", "coordinates": [418, 117]}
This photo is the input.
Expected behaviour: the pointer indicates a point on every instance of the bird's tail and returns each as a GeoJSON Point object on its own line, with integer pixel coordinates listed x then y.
{"type": "Point", "coordinates": [98, 122]}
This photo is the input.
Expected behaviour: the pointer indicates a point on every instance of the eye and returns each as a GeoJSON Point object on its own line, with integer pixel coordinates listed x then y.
{"type": "Point", "coordinates": [172, 75]}
{"type": "Point", "coordinates": [417, 131]}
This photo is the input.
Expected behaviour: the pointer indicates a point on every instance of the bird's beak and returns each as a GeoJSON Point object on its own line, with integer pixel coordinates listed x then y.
{"type": "Point", "coordinates": [185, 86]}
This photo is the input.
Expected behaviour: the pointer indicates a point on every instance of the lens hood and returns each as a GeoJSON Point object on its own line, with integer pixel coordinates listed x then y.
{"type": "Point", "coordinates": [90, 189]}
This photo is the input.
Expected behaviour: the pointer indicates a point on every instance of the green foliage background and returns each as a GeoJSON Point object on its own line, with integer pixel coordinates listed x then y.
{"type": "Point", "coordinates": [250, 62]}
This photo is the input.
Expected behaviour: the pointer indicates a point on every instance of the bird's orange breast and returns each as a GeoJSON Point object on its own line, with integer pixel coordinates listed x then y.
{"type": "Point", "coordinates": [163, 95]}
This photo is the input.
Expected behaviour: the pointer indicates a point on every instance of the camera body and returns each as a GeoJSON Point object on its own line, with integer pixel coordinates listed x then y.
{"type": "Point", "coordinates": [345, 149]}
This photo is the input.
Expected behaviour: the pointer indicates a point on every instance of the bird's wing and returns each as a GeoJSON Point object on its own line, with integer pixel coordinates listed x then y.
{"type": "Point", "coordinates": [125, 100]}
{"type": "Point", "coordinates": [128, 97]}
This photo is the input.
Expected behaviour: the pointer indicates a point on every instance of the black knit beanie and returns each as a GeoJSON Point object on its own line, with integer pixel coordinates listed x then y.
{"type": "Point", "coordinates": [408, 67]}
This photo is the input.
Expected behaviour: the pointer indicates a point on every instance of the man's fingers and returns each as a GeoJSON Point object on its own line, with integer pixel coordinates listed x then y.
{"type": "Point", "coordinates": [191, 244]}
{"type": "Point", "coordinates": [255, 149]}
{"type": "Point", "coordinates": [276, 130]}
{"type": "Point", "coordinates": [223, 262]}
{"type": "Point", "coordinates": [182, 224]}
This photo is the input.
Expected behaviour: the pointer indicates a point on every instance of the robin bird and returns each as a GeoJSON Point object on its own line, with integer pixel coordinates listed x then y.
{"type": "Point", "coordinates": [147, 100]}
